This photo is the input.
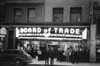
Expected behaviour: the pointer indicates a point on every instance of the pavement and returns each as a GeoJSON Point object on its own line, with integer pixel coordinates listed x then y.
{"type": "Point", "coordinates": [42, 63]}
{"type": "Point", "coordinates": [86, 64]}
{"type": "Point", "coordinates": [70, 64]}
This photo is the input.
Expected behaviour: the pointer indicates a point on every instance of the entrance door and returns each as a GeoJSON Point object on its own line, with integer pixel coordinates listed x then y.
{"type": "Point", "coordinates": [10, 39]}
{"type": "Point", "coordinates": [97, 53]}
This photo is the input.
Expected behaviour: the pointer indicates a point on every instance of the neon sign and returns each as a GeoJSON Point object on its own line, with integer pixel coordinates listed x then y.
{"type": "Point", "coordinates": [48, 30]}
{"type": "Point", "coordinates": [64, 32]}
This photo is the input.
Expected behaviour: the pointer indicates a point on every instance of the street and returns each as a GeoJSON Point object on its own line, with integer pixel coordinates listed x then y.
{"type": "Point", "coordinates": [67, 64]}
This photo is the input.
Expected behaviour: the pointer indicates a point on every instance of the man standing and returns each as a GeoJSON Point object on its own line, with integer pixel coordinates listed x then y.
{"type": "Point", "coordinates": [47, 56]}
{"type": "Point", "coordinates": [72, 56]}
{"type": "Point", "coordinates": [76, 54]}
{"type": "Point", "coordinates": [51, 55]}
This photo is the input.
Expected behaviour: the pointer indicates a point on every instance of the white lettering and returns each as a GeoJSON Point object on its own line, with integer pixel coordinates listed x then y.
{"type": "Point", "coordinates": [25, 30]}
{"type": "Point", "coordinates": [21, 30]}
{"type": "Point", "coordinates": [34, 30]}
{"type": "Point", "coordinates": [77, 31]}
{"type": "Point", "coordinates": [66, 30]}
{"type": "Point", "coordinates": [38, 30]}
{"type": "Point", "coordinates": [45, 30]}
{"type": "Point", "coordinates": [55, 29]}
{"type": "Point", "coordinates": [60, 30]}
{"type": "Point", "coordinates": [49, 30]}
{"type": "Point", "coordinates": [72, 31]}
{"type": "Point", "coordinates": [29, 29]}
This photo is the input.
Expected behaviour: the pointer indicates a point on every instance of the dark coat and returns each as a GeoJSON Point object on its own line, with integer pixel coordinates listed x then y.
{"type": "Point", "coordinates": [51, 53]}
{"type": "Point", "coordinates": [46, 54]}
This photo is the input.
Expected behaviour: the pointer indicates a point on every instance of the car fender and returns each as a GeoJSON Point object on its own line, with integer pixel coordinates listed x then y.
{"type": "Point", "coordinates": [20, 59]}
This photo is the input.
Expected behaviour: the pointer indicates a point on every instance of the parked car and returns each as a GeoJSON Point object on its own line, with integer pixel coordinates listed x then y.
{"type": "Point", "coordinates": [15, 56]}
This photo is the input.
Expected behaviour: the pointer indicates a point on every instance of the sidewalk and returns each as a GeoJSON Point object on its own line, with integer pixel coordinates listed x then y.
{"type": "Point", "coordinates": [86, 64]}
{"type": "Point", "coordinates": [42, 63]}
{"type": "Point", "coordinates": [55, 63]}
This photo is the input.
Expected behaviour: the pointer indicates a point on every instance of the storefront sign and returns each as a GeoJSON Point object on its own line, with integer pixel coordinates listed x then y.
{"type": "Point", "coordinates": [3, 31]}
{"type": "Point", "coordinates": [48, 30]}
{"type": "Point", "coordinates": [62, 32]}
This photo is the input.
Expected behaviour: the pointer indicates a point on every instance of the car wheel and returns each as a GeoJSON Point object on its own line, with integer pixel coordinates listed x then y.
{"type": "Point", "coordinates": [17, 63]}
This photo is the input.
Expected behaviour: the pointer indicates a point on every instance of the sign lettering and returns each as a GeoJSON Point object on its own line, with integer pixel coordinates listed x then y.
{"type": "Point", "coordinates": [72, 32]}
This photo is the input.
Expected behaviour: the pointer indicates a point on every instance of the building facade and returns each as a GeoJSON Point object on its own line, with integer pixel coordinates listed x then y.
{"type": "Point", "coordinates": [64, 22]}
{"type": "Point", "coordinates": [96, 13]}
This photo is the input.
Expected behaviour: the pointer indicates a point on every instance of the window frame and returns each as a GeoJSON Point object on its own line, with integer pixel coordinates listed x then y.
{"type": "Point", "coordinates": [15, 14]}
{"type": "Point", "coordinates": [62, 13]}
{"type": "Point", "coordinates": [28, 14]}
{"type": "Point", "coordinates": [78, 11]}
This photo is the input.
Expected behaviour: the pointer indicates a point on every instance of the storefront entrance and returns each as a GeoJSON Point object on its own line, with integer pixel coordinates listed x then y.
{"type": "Point", "coordinates": [97, 53]}
{"type": "Point", "coordinates": [55, 42]}
{"type": "Point", "coordinates": [62, 51]}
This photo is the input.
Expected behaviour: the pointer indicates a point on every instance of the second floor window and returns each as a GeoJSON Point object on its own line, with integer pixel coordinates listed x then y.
{"type": "Point", "coordinates": [57, 14]}
{"type": "Point", "coordinates": [97, 20]}
{"type": "Point", "coordinates": [17, 14]}
{"type": "Point", "coordinates": [31, 15]}
{"type": "Point", "coordinates": [76, 14]}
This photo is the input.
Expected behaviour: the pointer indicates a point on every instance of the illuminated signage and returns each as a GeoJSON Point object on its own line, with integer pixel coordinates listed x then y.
{"type": "Point", "coordinates": [58, 32]}
{"type": "Point", "coordinates": [3, 31]}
